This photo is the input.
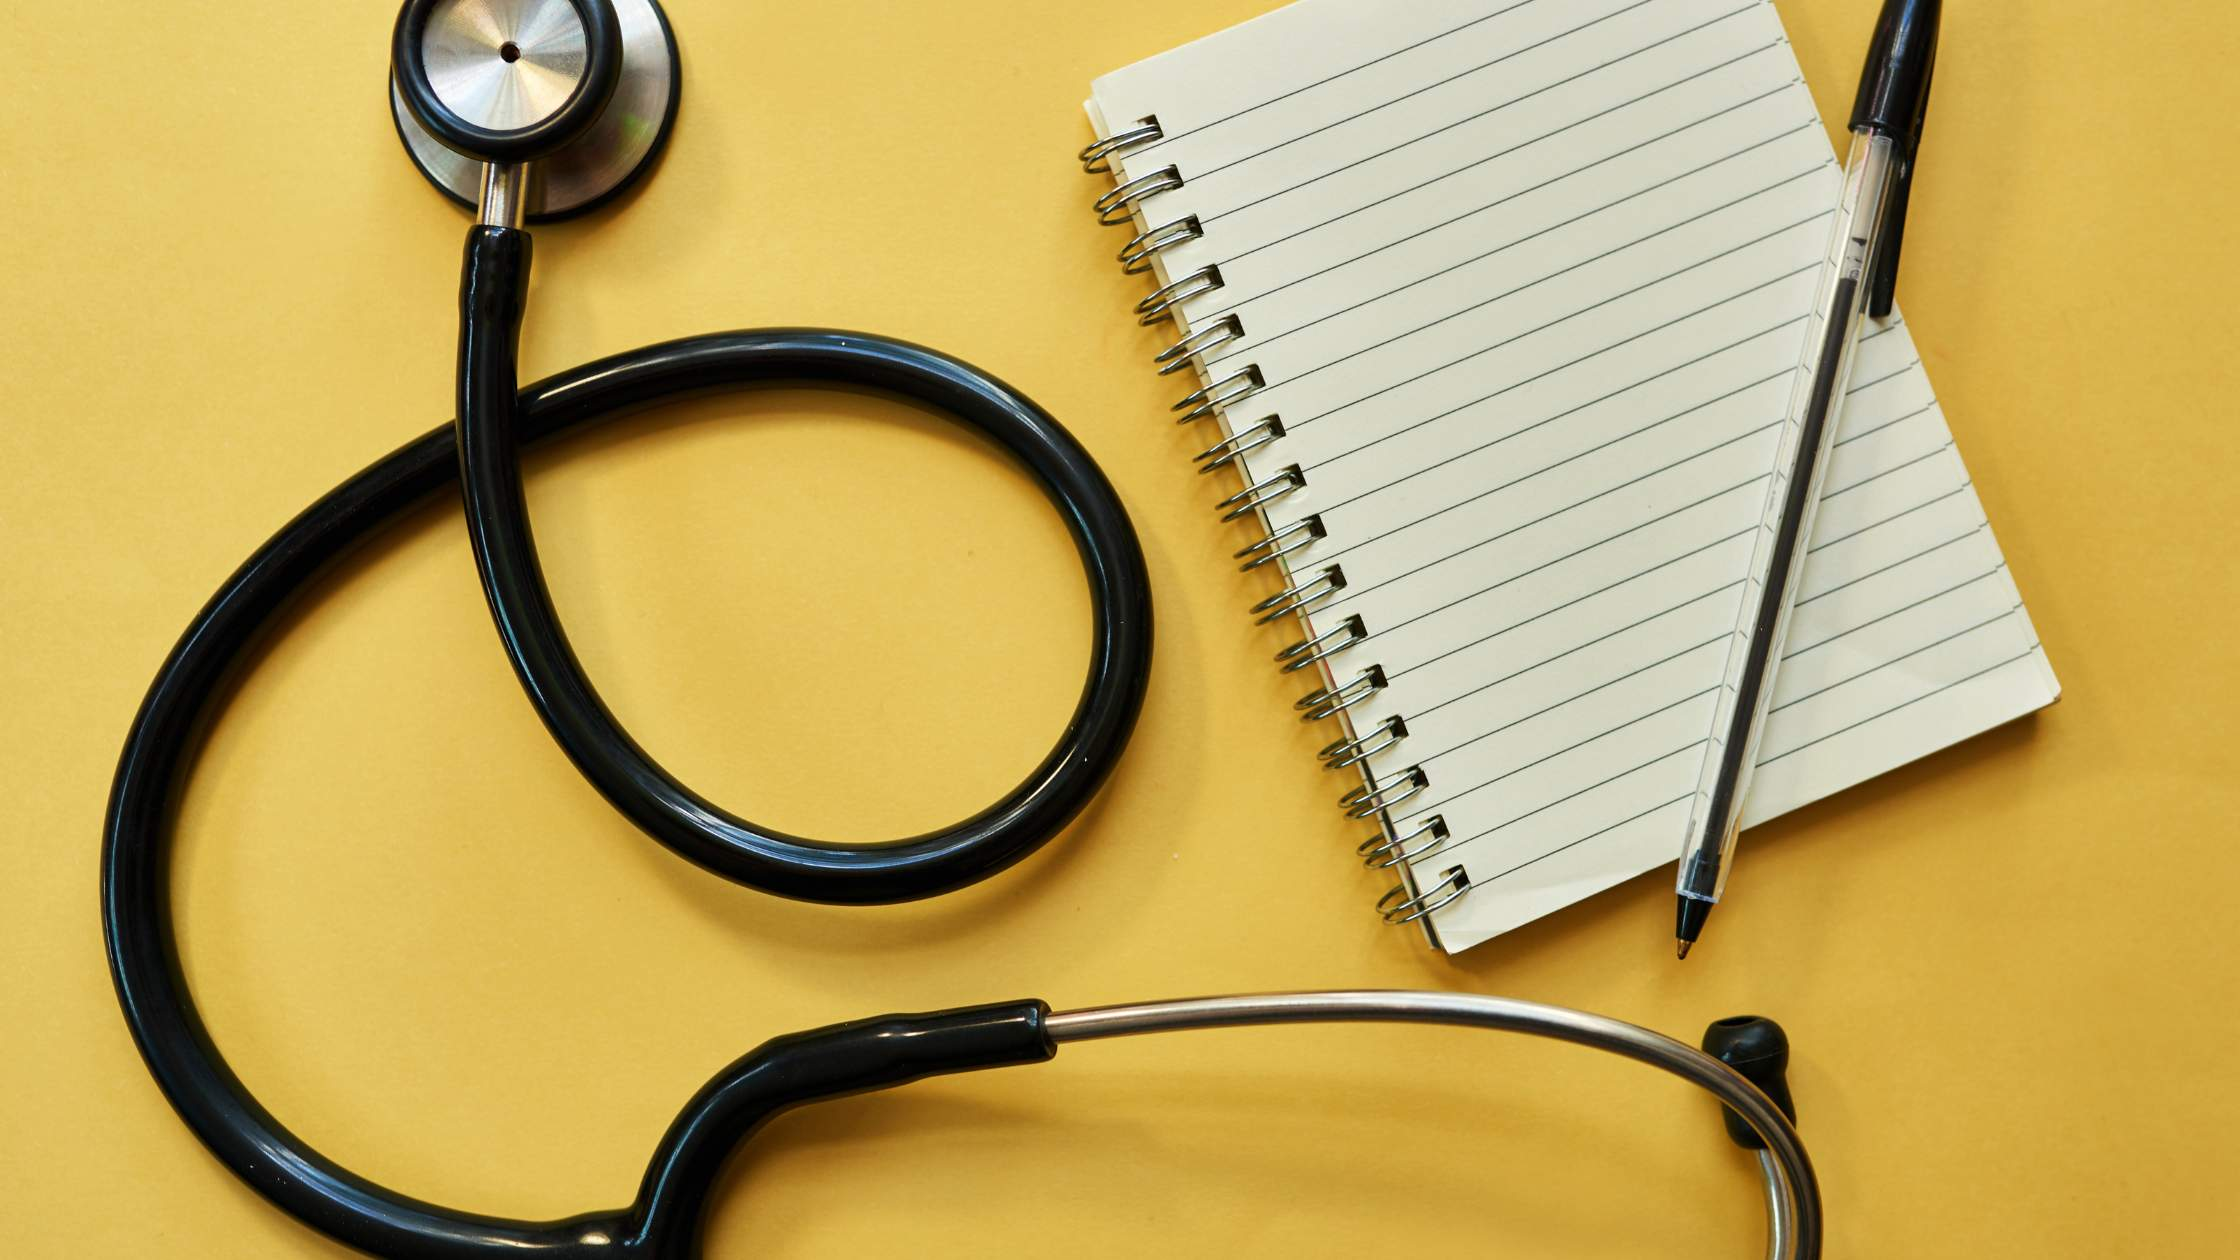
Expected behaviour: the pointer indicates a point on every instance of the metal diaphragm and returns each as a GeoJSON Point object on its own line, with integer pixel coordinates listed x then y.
{"type": "Point", "coordinates": [508, 64]}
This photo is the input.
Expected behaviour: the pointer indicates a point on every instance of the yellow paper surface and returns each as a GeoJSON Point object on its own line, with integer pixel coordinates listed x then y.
{"type": "Point", "coordinates": [430, 949]}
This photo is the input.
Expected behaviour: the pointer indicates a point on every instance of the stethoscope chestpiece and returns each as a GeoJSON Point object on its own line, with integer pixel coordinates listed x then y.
{"type": "Point", "coordinates": [580, 93]}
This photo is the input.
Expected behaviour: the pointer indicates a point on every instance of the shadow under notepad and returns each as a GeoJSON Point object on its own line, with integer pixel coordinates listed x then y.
{"type": "Point", "coordinates": [1642, 906]}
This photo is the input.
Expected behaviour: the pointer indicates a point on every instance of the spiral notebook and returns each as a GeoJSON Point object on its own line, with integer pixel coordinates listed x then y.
{"type": "Point", "coordinates": [1497, 306]}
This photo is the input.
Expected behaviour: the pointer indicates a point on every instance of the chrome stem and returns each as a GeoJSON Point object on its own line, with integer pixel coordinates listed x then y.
{"type": "Point", "coordinates": [504, 191]}
{"type": "Point", "coordinates": [1792, 1191]}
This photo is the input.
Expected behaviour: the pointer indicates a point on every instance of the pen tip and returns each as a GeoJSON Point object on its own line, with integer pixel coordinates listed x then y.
{"type": "Point", "coordinates": [1685, 946]}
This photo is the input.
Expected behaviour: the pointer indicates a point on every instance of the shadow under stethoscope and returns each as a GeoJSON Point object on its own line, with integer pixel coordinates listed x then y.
{"type": "Point", "coordinates": [1152, 1151]}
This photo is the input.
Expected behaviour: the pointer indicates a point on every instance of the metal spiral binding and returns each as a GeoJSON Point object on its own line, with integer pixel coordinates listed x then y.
{"type": "Point", "coordinates": [1262, 493]}
{"type": "Point", "coordinates": [1097, 158]}
{"type": "Point", "coordinates": [1299, 594]}
{"type": "Point", "coordinates": [1186, 352]}
{"type": "Point", "coordinates": [1309, 652]}
{"type": "Point", "coordinates": [1229, 450]}
{"type": "Point", "coordinates": [1235, 387]}
{"type": "Point", "coordinates": [1164, 301]}
{"type": "Point", "coordinates": [1339, 754]}
{"type": "Point", "coordinates": [1119, 205]}
{"type": "Point", "coordinates": [1379, 853]}
{"type": "Point", "coordinates": [1332, 700]}
{"type": "Point", "coordinates": [1378, 794]}
{"type": "Point", "coordinates": [1136, 256]}
{"type": "Point", "coordinates": [1280, 543]}
{"type": "Point", "coordinates": [1398, 907]}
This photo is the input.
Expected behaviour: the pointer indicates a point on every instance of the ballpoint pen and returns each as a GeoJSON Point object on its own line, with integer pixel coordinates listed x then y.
{"type": "Point", "coordinates": [1857, 279]}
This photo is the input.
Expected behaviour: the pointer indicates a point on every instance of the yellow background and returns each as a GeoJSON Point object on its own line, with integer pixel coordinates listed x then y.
{"type": "Point", "coordinates": [2010, 972]}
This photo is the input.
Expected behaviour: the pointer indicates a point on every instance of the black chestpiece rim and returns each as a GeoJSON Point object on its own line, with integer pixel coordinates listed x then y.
{"type": "Point", "coordinates": [602, 39]}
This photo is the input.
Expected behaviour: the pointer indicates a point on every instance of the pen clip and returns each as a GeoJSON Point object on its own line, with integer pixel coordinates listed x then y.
{"type": "Point", "coordinates": [1882, 285]}
{"type": "Point", "coordinates": [1894, 100]}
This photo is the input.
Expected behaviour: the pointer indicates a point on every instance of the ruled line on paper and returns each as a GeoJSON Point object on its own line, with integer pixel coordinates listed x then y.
{"type": "Point", "coordinates": [1864, 529]}
{"type": "Point", "coordinates": [1578, 503]}
{"type": "Point", "coordinates": [1895, 564]}
{"type": "Point", "coordinates": [1565, 800]}
{"type": "Point", "coordinates": [1885, 330]}
{"type": "Point", "coordinates": [1239, 303]}
{"type": "Point", "coordinates": [1592, 835]}
{"type": "Point", "coordinates": [1485, 398]}
{"type": "Point", "coordinates": [1544, 469]}
{"type": "Point", "coordinates": [1791, 274]}
{"type": "Point", "coordinates": [1923, 410]}
{"type": "Point", "coordinates": [1351, 593]}
{"type": "Point", "coordinates": [1208, 126]}
{"type": "Point", "coordinates": [1508, 56]}
{"type": "Point", "coordinates": [1514, 626]}
{"type": "Point", "coordinates": [1605, 685]}
{"type": "Point", "coordinates": [1474, 307]}
{"type": "Point", "coordinates": [1256, 344]}
{"type": "Point", "coordinates": [2033, 650]}
{"type": "Point", "coordinates": [1871, 622]}
{"type": "Point", "coordinates": [1932, 645]}
{"type": "Point", "coordinates": [1561, 415]}
{"type": "Point", "coordinates": [1575, 648]}
{"type": "Point", "coordinates": [1905, 608]}
{"type": "Point", "coordinates": [1894, 469]}
{"type": "Point", "coordinates": [1249, 251]}
{"type": "Point", "coordinates": [1430, 806]}
{"type": "Point", "coordinates": [1888, 376]}
{"type": "Point", "coordinates": [1301, 186]}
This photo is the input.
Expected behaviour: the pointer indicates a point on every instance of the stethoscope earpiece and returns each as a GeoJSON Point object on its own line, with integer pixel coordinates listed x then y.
{"type": "Point", "coordinates": [1757, 1048]}
{"type": "Point", "coordinates": [580, 93]}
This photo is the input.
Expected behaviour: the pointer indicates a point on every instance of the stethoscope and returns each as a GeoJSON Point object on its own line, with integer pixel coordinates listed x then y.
{"type": "Point", "coordinates": [538, 109]}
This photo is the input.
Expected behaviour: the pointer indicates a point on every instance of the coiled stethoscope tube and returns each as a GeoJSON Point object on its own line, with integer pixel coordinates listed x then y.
{"type": "Point", "coordinates": [491, 429]}
{"type": "Point", "coordinates": [188, 689]}
{"type": "Point", "coordinates": [496, 418]}
{"type": "Point", "coordinates": [493, 291]}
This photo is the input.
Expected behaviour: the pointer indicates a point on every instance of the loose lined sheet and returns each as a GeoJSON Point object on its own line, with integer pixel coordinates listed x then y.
{"type": "Point", "coordinates": [1526, 283]}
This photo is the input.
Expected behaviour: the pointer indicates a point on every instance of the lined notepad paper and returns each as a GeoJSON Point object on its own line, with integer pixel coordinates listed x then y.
{"type": "Point", "coordinates": [1524, 284]}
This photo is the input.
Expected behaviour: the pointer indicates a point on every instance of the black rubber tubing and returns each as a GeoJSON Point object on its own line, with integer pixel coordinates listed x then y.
{"type": "Point", "coordinates": [189, 688]}
{"type": "Point", "coordinates": [529, 627]}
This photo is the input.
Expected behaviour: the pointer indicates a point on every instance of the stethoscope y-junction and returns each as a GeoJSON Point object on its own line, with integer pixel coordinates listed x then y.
{"type": "Point", "coordinates": [540, 108]}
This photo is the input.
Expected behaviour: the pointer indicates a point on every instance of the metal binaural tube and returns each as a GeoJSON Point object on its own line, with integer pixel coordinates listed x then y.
{"type": "Point", "coordinates": [1781, 1224]}
{"type": "Point", "coordinates": [1792, 1190]}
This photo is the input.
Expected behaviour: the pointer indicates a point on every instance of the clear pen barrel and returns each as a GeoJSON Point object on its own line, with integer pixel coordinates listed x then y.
{"type": "Point", "coordinates": [1777, 557]}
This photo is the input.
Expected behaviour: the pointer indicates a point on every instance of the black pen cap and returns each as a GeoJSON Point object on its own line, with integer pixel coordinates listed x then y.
{"type": "Point", "coordinates": [1901, 59]}
{"type": "Point", "coordinates": [1894, 101]}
